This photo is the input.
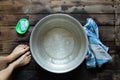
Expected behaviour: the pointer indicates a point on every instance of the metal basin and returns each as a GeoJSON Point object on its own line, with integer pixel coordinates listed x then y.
{"type": "Point", "coordinates": [58, 43]}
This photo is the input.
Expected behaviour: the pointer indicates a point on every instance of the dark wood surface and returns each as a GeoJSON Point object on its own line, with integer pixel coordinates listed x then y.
{"type": "Point", "coordinates": [106, 13]}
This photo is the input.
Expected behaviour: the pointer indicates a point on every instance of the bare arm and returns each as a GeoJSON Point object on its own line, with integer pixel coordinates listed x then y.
{"type": "Point", "coordinates": [5, 73]}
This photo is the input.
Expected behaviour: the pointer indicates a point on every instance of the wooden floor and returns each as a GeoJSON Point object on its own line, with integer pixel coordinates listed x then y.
{"type": "Point", "coordinates": [106, 13]}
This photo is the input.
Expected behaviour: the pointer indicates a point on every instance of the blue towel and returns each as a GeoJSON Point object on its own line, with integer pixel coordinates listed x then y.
{"type": "Point", "coordinates": [97, 52]}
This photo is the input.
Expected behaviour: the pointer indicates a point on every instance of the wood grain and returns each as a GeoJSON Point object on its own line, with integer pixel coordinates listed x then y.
{"type": "Point", "coordinates": [53, 6]}
{"type": "Point", "coordinates": [12, 38]}
{"type": "Point", "coordinates": [101, 19]}
{"type": "Point", "coordinates": [106, 13]}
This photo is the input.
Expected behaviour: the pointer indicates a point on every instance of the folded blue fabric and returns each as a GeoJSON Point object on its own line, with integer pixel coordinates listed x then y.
{"type": "Point", "coordinates": [97, 52]}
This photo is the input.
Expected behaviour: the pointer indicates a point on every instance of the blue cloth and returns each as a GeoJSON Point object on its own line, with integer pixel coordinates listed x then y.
{"type": "Point", "coordinates": [97, 52]}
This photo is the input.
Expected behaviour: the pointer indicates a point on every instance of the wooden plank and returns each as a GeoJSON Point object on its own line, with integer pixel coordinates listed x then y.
{"type": "Point", "coordinates": [8, 34]}
{"type": "Point", "coordinates": [7, 6]}
{"type": "Point", "coordinates": [107, 33]}
{"type": "Point", "coordinates": [53, 6]}
{"type": "Point", "coordinates": [117, 35]}
{"type": "Point", "coordinates": [117, 75]}
{"type": "Point", "coordinates": [107, 73]}
{"type": "Point", "coordinates": [7, 47]}
{"type": "Point", "coordinates": [117, 9]}
{"type": "Point", "coordinates": [14, 2]}
{"type": "Point", "coordinates": [7, 31]}
{"type": "Point", "coordinates": [117, 6]}
{"type": "Point", "coordinates": [117, 19]}
{"type": "Point", "coordinates": [106, 13]}
{"type": "Point", "coordinates": [9, 38]}
{"type": "Point", "coordinates": [81, 6]}
{"type": "Point", "coordinates": [117, 28]}
{"type": "Point", "coordinates": [91, 1]}
{"type": "Point", "coordinates": [117, 22]}
{"type": "Point", "coordinates": [101, 19]}
{"type": "Point", "coordinates": [113, 48]}
{"type": "Point", "coordinates": [11, 19]}
{"type": "Point", "coordinates": [114, 65]}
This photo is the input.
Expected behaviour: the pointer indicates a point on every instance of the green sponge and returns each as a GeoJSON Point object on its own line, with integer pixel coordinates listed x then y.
{"type": "Point", "coordinates": [22, 26]}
